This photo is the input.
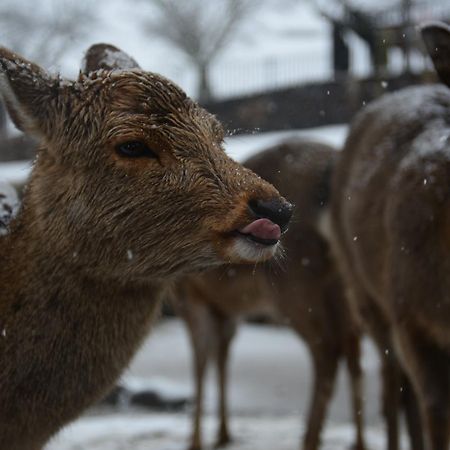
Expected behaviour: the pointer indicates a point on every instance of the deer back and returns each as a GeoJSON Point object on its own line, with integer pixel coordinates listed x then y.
{"type": "Point", "coordinates": [391, 200]}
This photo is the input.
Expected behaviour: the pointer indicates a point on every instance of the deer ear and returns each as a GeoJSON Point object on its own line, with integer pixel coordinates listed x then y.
{"type": "Point", "coordinates": [29, 93]}
{"type": "Point", "coordinates": [437, 40]}
{"type": "Point", "coordinates": [108, 57]}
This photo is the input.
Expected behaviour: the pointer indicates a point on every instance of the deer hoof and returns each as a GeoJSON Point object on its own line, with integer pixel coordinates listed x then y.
{"type": "Point", "coordinates": [223, 440]}
{"type": "Point", "coordinates": [195, 447]}
{"type": "Point", "coordinates": [357, 446]}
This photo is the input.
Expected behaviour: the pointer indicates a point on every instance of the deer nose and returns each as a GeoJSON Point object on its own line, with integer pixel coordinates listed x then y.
{"type": "Point", "coordinates": [277, 210]}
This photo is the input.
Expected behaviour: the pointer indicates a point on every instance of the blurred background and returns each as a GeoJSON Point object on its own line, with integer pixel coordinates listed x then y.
{"type": "Point", "coordinates": [261, 65]}
{"type": "Point", "coordinates": [269, 69]}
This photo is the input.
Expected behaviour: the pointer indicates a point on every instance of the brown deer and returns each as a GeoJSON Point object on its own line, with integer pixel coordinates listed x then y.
{"type": "Point", "coordinates": [131, 188]}
{"type": "Point", "coordinates": [306, 294]}
{"type": "Point", "coordinates": [391, 218]}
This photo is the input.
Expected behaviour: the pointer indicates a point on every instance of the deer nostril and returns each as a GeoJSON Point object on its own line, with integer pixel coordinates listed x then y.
{"type": "Point", "coordinates": [277, 210]}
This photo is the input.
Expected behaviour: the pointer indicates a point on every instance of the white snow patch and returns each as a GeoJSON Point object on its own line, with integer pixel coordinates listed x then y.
{"type": "Point", "coordinates": [9, 205]}
{"type": "Point", "coordinates": [15, 172]}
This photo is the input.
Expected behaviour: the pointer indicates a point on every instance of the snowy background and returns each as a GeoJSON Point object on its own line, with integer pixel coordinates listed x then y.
{"type": "Point", "coordinates": [290, 34]}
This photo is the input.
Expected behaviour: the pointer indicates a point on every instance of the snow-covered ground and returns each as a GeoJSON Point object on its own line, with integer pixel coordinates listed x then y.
{"type": "Point", "coordinates": [269, 391]}
{"type": "Point", "coordinates": [169, 432]}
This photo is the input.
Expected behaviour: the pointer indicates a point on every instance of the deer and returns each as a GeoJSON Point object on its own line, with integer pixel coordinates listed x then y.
{"type": "Point", "coordinates": [131, 189]}
{"type": "Point", "coordinates": [305, 293]}
{"type": "Point", "coordinates": [390, 219]}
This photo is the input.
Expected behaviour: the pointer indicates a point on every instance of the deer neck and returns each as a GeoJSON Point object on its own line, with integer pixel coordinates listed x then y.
{"type": "Point", "coordinates": [41, 276]}
{"type": "Point", "coordinates": [65, 334]}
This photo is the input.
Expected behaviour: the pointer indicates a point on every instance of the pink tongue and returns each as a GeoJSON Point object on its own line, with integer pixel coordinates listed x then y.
{"type": "Point", "coordinates": [262, 229]}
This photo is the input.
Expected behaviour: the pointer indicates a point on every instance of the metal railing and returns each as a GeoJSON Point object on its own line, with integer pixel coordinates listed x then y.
{"type": "Point", "coordinates": [246, 77]}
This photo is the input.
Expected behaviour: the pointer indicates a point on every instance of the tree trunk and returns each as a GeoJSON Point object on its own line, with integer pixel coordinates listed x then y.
{"type": "Point", "coordinates": [341, 52]}
{"type": "Point", "coordinates": [204, 88]}
{"type": "Point", "coordinates": [407, 25]}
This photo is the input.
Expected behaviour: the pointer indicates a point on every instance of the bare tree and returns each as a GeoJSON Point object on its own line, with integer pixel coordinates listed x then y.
{"type": "Point", "coordinates": [42, 32]}
{"type": "Point", "coordinates": [199, 29]}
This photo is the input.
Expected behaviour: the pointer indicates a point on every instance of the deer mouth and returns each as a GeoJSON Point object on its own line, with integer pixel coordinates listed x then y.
{"type": "Point", "coordinates": [261, 231]}
{"type": "Point", "coordinates": [256, 242]}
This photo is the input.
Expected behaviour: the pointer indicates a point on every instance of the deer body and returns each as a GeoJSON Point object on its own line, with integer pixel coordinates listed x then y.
{"type": "Point", "coordinates": [130, 190]}
{"type": "Point", "coordinates": [390, 215]}
{"type": "Point", "coordinates": [65, 339]}
{"type": "Point", "coordinates": [305, 293]}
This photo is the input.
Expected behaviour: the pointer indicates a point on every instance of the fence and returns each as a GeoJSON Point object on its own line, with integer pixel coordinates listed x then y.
{"type": "Point", "coordinates": [420, 12]}
{"type": "Point", "coordinates": [247, 77]}
{"type": "Point", "coordinates": [309, 105]}
{"type": "Point", "coordinates": [242, 78]}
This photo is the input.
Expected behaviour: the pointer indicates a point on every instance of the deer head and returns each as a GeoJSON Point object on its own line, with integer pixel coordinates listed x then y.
{"type": "Point", "coordinates": [131, 179]}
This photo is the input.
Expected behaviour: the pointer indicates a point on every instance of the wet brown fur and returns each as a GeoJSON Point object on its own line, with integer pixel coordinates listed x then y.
{"type": "Point", "coordinates": [303, 290]}
{"type": "Point", "coordinates": [99, 236]}
{"type": "Point", "coordinates": [390, 205]}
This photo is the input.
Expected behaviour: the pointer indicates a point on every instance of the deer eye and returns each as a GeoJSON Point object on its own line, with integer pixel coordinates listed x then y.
{"type": "Point", "coordinates": [135, 149]}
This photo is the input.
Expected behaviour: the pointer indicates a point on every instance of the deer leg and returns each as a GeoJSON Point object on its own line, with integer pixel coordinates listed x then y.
{"type": "Point", "coordinates": [325, 367]}
{"type": "Point", "coordinates": [202, 332]}
{"type": "Point", "coordinates": [226, 331]}
{"type": "Point", "coordinates": [200, 362]}
{"type": "Point", "coordinates": [429, 370]}
{"type": "Point", "coordinates": [390, 372]}
{"type": "Point", "coordinates": [412, 415]}
{"type": "Point", "coordinates": [353, 360]}
{"type": "Point", "coordinates": [391, 396]}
